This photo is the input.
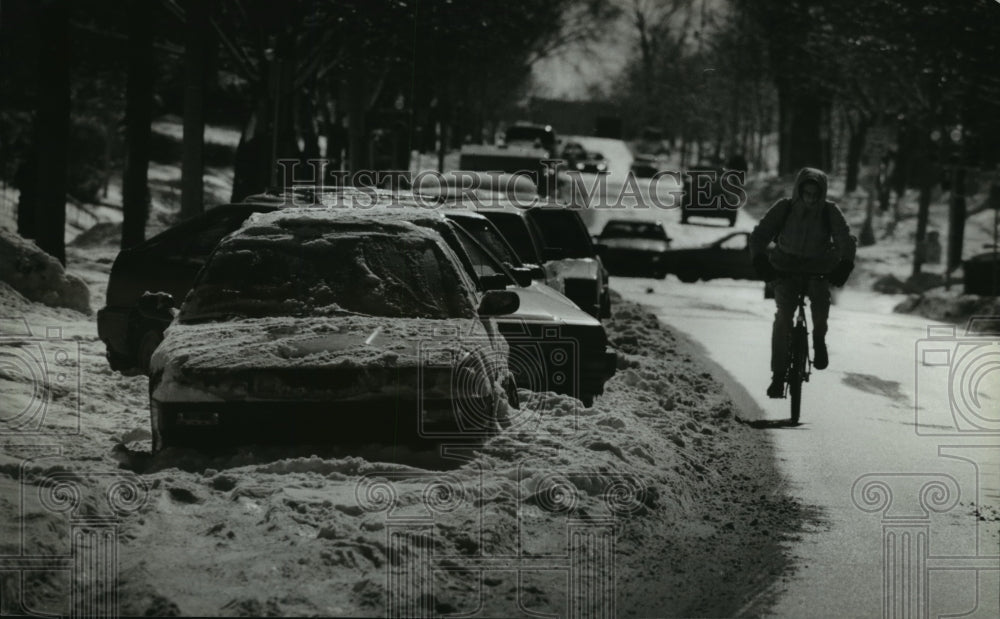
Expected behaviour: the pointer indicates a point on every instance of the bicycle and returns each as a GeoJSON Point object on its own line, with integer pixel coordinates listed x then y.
{"type": "Point", "coordinates": [799, 362]}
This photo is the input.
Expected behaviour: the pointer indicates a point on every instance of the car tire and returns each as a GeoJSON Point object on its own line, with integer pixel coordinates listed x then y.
{"type": "Point", "coordinates": [148, 342]}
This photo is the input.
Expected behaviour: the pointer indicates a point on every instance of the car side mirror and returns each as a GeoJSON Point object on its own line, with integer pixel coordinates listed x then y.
{"type": "Point", "coordinates": [553, 253]}
{"type": "Point", "coordinates": [157, 306]}
{"type": "Point", "coordinates": [499, 303]}
{"type": "Point", "coordinates": [494, 281]}
{"type": "Point", "coordinates": [523, 275]}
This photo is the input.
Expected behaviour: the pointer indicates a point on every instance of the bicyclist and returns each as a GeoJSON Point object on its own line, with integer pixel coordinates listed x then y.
{"type": "Point", "coordinates": [811, 236]}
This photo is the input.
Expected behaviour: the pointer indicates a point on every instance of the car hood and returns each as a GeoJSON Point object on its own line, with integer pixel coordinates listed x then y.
{"type": "Point", "coordinates": [315, 357]}
{"type": "Point", "coordinates": [282, 342]}
{"type": "Point", "coordinates": [635, 244]}
{"type": "Point", "coordinates": [542, 303]}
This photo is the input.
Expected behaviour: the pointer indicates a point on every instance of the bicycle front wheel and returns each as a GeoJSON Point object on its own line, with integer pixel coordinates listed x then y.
{"type": "Point", "coordinates": [795, 392]}
{"type": "Point", "coordinates": [797, 373]}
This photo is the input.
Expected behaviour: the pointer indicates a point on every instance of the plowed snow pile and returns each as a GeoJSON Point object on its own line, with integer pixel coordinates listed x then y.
{"type": "Point", "coordinates": [656, 501]}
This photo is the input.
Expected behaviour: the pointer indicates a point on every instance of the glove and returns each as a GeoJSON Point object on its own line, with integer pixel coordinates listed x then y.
{"type": "Point", "coordinates": [838, 276]}
{"type": "Point", "coordinates": [764, 269]}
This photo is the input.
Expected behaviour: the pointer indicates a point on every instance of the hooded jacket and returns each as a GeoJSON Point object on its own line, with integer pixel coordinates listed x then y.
{"type": "Point", "coordinates": [807, 239]}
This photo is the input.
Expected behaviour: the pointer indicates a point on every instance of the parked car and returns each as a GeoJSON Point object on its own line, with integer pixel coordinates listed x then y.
{"type": "Point", "coordinates": [306, 325]}
{"type": "Point", "coordinates": [554, 345]}
{"type": "Point", "coordinates": [634, 247]}
{"type": "Point", "coordinates": [728, 256]}
{"type": "Point", "coordinates": [167, 262]}
{"type": "Point", "coordinates": [708, 192]}
{"type": "Point", "coordinates": [571, 258]}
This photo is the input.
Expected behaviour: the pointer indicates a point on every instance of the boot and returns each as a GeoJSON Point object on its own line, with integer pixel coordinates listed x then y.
{"type": "Point", "coordinates": [777, 387]}
{"type": "Point", "coordinates": [821, 359]}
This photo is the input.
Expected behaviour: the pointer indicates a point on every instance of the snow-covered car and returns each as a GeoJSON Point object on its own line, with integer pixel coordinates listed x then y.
{"type": "Point", "coordinates": [307, 327]}
{"type": "Point", "coordinates": [554, 345]}
{"type": "Point", "coordinates": [728, 256]}
{"type": "Point", "coordinates": [634, 247]}
{"type": "Point", "coordinates": [167, 262]}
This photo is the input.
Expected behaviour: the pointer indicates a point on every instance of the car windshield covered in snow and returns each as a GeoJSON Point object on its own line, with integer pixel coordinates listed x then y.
{"type": "Point", "coordinates": [329, 272]}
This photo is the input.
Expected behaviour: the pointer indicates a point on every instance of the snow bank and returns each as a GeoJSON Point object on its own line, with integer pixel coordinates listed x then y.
{"type": "Point", "coordinates": [38, 276]}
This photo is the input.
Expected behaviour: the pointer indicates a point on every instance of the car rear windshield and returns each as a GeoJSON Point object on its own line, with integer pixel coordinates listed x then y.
{"type": "Point", "coordinates": [562, 229]}
{"type": "Point", "coordinates": [376, 274]}
{"type": "Point", "coordinates": [632, 230]}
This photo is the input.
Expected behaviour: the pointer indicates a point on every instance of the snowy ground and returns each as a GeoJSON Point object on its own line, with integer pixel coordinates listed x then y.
{"type": "Point", "coordinates": [655, 502]}
{"type": "Point", "coordinates": [672, 488]}
{"type": "Point", "coordinates": [683, 497]}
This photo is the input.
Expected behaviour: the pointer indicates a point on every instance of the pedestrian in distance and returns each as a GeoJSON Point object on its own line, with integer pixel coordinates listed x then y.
{"type": "Point", "coordinates": [810, 237]}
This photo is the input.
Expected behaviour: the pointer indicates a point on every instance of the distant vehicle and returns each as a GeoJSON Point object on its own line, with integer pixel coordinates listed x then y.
{"type": "Point", "coordinates": [593, 163]}
{"type": "Point", "coordinates": [308, 327]}
{"type": "Point", "coordinates": [527, 134]}
{"type": "Point", "coordinates": [520, 151]}
{"type": "Point", "coordinates": [168, 262]}
{"type": "Point", "coordinates": [651, 142]}
{"type": "Point", "coordinates": [711, 192]}
{"type": "Point", "coordinates": [573, 152]}
{"type": "Point", "coordinates": [727, 257]}
{"type": "Point", "coordinates": [645, 166]}
{"type": "Point", "coordinates": [634, 247]}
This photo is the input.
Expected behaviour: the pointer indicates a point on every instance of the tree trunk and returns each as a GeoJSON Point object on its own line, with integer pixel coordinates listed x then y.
{"type": "Point", "coordinates": [956, 219]}
{"type": "Point", "coordinates": [138, 117]}
{"type": "Point", "coordinates": [195, 62]}
{"type": "Point", "coordinates": [855, 146]}
{"type": "Point", "coordinates": [924, 206]}
{"type": "Point", "coordinates": [52, 129]}
{"type": "Point", "coordinates": [356, 89]}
